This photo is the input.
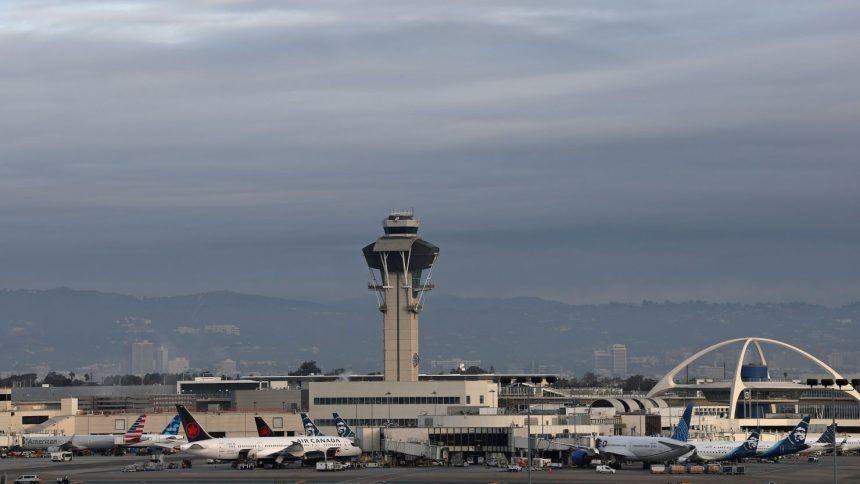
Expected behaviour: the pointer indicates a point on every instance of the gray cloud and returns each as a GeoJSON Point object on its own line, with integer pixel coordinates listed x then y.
{"type": "Point", "coordinates": [581, 151]}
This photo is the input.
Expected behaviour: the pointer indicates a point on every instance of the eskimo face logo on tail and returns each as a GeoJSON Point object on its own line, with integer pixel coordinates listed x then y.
{"type": "Point", "coordinates": [799, 435]}
{"type": "Point", "coordinates": [341, 429]}
{"type": "Point", "coordinates": [751, 443]}
{"type": "Point", "coordinates": [309, 429]}
{"type": "Point", "coordinates": [192, 430]}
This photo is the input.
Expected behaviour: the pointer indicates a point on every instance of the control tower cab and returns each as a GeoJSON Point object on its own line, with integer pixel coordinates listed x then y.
{"type": "Point", "coordinates": [404, 264]}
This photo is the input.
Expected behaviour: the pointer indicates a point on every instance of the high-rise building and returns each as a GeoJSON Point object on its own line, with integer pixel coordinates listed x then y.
{"type": "Point", "coordinates": [161, 359]}
{"type": "Point", "coordinates": [602, 363]}
{"type": "Point", "coordinates": [405, 264]}
{"type": "Point", "coordinates": [142, 358]}
{"type": "Point", "coordinates": [228, 367]}
{"type": "Point", "coordinates": [618, 355]}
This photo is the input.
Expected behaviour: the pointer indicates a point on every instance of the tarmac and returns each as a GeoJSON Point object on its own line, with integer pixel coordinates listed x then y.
{"type": "Point", "coordinates": [109, 469]}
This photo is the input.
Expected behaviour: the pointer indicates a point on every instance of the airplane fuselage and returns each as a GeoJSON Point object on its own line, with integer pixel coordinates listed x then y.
{"type": "Point", "coordinates": [271, 447]}
{"type": "Point", "coordinates": [642, 449]}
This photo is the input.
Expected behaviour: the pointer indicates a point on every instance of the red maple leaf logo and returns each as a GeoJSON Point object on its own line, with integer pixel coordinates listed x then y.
{"type": "Point", "coordinates": [192, 430]}
{"type": "Point", "coordinates": [265, 432]}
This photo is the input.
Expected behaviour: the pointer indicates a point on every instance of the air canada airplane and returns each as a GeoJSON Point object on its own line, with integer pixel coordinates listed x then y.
{"type": "Point", "coordinates": [263, 429]}
{"type": "Point", "coordinates": [277, 449]}
{"type": "Point", "coordinates": [617, 449]}
{"type": "Point", "coordinates": [793, 443]}
{"type": "Point", "coordinates": [725, 450]}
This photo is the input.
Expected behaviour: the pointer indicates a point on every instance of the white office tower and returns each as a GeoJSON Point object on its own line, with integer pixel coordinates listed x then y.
{"type": "Point", "coordinates": [404, 264]}
{"type": "Point", "coordinates": [161, 359]}
{"type": "Point", "coordinates": [618, 355]}
{"type": "Point", "coordinates": [142, 358]}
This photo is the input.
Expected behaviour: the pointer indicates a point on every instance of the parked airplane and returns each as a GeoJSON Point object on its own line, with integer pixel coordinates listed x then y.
{"type": "Point", "coordinates": [824, 443]}
{"type": "Point", "coordinates": [725, 450]}
{"type": "Point", "coordinates": [620, 448]}
{"type": "Point", "coordinates": [311, 429]}
{"type": "Point", "coordinates": [343, 430]}
{"type": "Point", "coordinates": [263, 429]}
{"type": "Point", "coordinates": [793, 443]}
{"type": "Point", "coordinates": [134, 432]}
{"type": "Point", "coordinates": [277, 449]}
{"type": "Point", "coordinates": [97, 443]}
{"type": "Point", "coordinates": [169, 438]}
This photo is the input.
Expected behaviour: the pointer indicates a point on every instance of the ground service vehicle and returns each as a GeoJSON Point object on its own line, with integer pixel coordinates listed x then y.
{"type": "Point", "coordinates": [28, 479]}
{"type": "Point", "coordinates": [604, 470]}
{"type": "Point", "coordinates": [61, 456]}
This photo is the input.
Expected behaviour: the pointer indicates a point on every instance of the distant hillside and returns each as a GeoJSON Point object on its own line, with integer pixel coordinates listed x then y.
{"type": "Point", "coordinates": [66, 329]}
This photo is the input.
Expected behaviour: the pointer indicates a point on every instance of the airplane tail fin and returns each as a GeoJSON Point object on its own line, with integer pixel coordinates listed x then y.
{"type": "Point", "coordinates": [798, 435]}
{"type": "Point", "coordinates": [193, 431]}
{"type": "Point", "coordinates": [753, 439]}
{"type": "Point", "coordinates": [682, 431]}
{"type": "Point", "coordinates": [829, 435]}
{"type": "Point", "coordinates": [343, 430]}
{"type": "Point", "coordinates": [263, 429]}
{"type": "Point", "coordinates": [311, 429]}
{"type": "Point", "coordinates": [172, 426]}
{"type": "Point", "coordinates": [136, 430]}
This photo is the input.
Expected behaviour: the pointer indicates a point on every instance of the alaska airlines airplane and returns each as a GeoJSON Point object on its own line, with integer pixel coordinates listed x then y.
{"type": "Point", "coordinates": [169, 438]}
{"type": "Point", "coordinates": [793, 443]}
{"type": "Point", "coordinates": [725, 450]}
{"type": "Point", "coordinates": [343, 430]}
{"type": "Point", "coordinates": [621, 448]}
{"type": "Point", "coordinates": [277, 449]}
{"type": "Point", "coordinates": [311, 429]}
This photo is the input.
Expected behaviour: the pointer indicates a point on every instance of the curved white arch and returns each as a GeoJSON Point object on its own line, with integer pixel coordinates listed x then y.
{"type": "Point", "coordinates": [738, 386]}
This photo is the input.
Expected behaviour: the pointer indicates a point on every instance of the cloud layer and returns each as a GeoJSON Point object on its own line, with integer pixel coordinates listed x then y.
{"type": "Point", "coordinates": [584, 151]}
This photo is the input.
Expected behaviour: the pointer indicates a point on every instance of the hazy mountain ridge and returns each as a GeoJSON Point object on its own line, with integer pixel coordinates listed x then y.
{"type": "Point", "coordinates": [66, 328]}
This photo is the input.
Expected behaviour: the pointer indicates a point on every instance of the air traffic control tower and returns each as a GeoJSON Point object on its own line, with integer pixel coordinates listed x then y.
{"type": "Point", "coordinates": [405, 265]}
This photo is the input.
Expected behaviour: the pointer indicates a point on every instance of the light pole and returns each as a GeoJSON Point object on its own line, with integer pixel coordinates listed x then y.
{"type": "Point", "coordinates": [529, 431]}
{"type": "Point", "coordinates": [434, 404]}
{"type": "Point", "coordinates": [388, 397]}
{"type": "Point", "coordinates": [493, 398]}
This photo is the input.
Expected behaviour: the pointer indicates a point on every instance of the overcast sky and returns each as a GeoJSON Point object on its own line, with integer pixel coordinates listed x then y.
{"type": "Point", "coordinates": [579, 151]}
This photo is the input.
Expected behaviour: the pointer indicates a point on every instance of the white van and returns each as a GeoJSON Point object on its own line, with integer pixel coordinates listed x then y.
{"type": "Point", "coordinates": [61, 456]}
{"type": "Point", "coordinates": [28, 479]}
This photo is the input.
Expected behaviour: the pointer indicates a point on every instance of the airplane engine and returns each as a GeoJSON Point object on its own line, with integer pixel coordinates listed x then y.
{"type": "Point", "coordinates": [580, 458]}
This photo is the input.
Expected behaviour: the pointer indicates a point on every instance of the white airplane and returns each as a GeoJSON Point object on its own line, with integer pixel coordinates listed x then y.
{"type": "Point", "coordinates": [65, 442]}
{"type": "Point", "coordinates": [169, 438]}
{"type": "Point", "coordinates": [724, 450]}
{"type": "Point", "coordinates": [824, 443]}
{"type": "Point", "coordinates": [793, 443]}
{"type": "Point", "coordinates": [850, 444]}
{"type": "Point", "coordinates": [277, 449]}
{"type": "Point", "coordinates": [620, 448]}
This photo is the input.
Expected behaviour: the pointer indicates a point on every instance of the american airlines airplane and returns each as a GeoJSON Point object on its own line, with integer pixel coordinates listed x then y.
{"type": "Point", "coordinates": [617, 449]}
{"type": "Point", "coordinates": [725, 450]}
{"type": "Point", "coordinates": [793, 443]}
{"type": "Point", "coordinates": [277, 449]}
{"type": "Point", "coordinates": [169, 438]}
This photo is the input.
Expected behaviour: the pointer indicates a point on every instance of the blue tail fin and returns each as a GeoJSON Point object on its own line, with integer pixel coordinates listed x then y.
{"type": "Point", "coordinates": [311, 429]}
{"type": "Point", "coordinates": [343, 430]}
{"type": "Point", "coordinates": [682, 431]}
{"type": "Point", "coordinates": [172, 427]}
{"type": "Point", "coordinates": [797, 436]}
{"type": "Point", "coordinates": [751, 443]}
